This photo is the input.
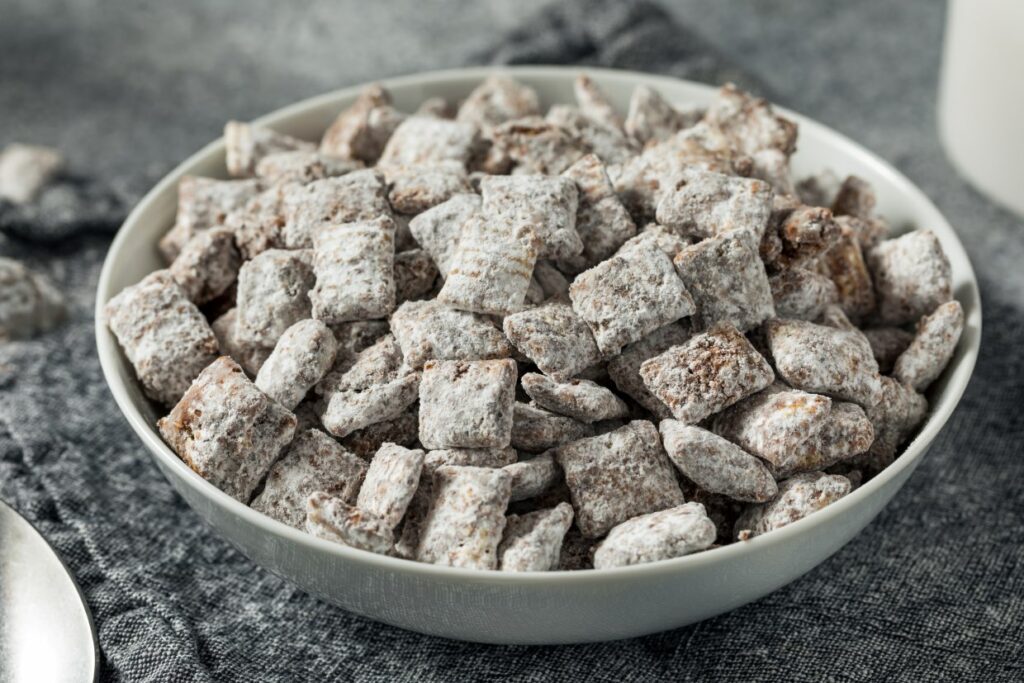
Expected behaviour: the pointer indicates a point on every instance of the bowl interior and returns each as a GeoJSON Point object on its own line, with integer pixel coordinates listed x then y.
{"type": "Point", "coordinates": [133, 255]}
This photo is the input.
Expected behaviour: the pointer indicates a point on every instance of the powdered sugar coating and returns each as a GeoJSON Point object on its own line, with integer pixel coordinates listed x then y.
{"type": "Point", "coordinates": [204, 203]}
{"type": "Point", "coordinates": [580, 399]}
{"type": "Point", "coordinates": [534, 145]}
{"type": "Point", "coordinates": [491, 268]}
{"type": "Point", "coordinates": [29, 303]}
{"type": "Point", "coordinates": [555, 338]}
{"type": "Point", "coordinates": [845, 434]}
{"type": "Point", "coordinates": [912, 277]}
{"type": "Point", "coordinates": [402, 430]}
{"type": "Point", "coordinates": [415, 275]}
{"type": "Point", "coordinates": [207, 265]}
{"type": "Point", "coordinates": [313, 462]}
{"type": "Point", "coordinates": [467, 404]}
{"type": "Point", "coordinates": [25, 170]}
{"type": "Point", "coordinates": [707, 373]}
{"type": "Point", "coordinates": [772, 424]}
{"type": "Point", "coordinates": [535, 429]}
{"type": "Point", "coordinates": [661, 238]}
{"type": "Point", "coordinates": [800, 294]}
{"type": "Point", "coordinates": [825, 360]}
{"type": "Point", "coordinates": [855, 197]}
{"type": "Point", "coordinates": [250, 356]}
{"type": "Point", "coordinates": [609, 143]}
{"type": "Point", "coordinates": [750, 123]}
{"type": "Point", "coordinates": [602, 221]}
{"type": "Point", "coordinates": [532, 477]}
{"type": "Point", "coordinates": [273, 295]}
{"type": "Point", "coordinates": [429, 140]}
{"type": "Point", "coordinates": [467, 517]}
{"type": "Point", "coordinates": [302, 167]}
{"type": "Point", "coordinates": [594, 103]}
{"type": "Point", "coordinates": [932, 348]}
{"type": "Point", "coordinates": [437, 230]}
{"type": "Point", "coordinates": [727, 280]}
{"type": "Point", "coordinates": [378, 363]}
{"type": "Point", "coordinates": [624, 369]}
{"type": "Point", "coordinates": [246, 145]}
{"type": "Point", "coordinates": [259, 223]}
{"type": "Point", "coordinates": [355, 271]}
{"type": "Point", "coordinates": [661, 535]}
{"type": "Point", "coordinates": [844, 264]}
{"type": "Point", "coordinates": [303, 354]}
{"type": "Point", "coordinates": [547, 204]}
{"type": "Point", "coordinates": [163, 334]}
{"type": "Point", "coordinates": [704, 204]}
{"type": "Point", "coordinates": [651, 117]}
{"type": "Point", "coordinates": [430, 330]}
{"type": "Point", "coordinates": [887, 343]}
{"type": "Point", "coordinates": [227, 430]}
{"type": "Point", "coordinates": [894, 418]}
{"type": "Point", "coordinates": [798, 497]}
{"type": "Point", "coordinates": [348, 410]}
{"type": "Point", "coordinates": [497, 99]}
{"type": "Point", "coordinates": [390, 483]}
{"type": "Point", "coordinates": [533, 542]}
{"type": "Point", "coordinates": [715, 464]}
{"type": "Point", "coordinates": [333, 519]}
{"type": "Point", "coordinates": [806, 233]}
{"type": "Point", "coordinates": [617, 476]}
{"type": "Point", "coordinates": [353, 135]}
{"type": "Point", "coordinates": [414, 189]}
{"type": "Point", "coordinates": [355, 197]}
{"type": "Point", "coordinates": [550, 280]}
{"type": "Point", "coordinates": [629, 296]}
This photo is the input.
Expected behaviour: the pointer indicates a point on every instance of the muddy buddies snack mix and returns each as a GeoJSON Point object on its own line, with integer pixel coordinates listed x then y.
{"type": "Point", "coordinates": [490, 335]}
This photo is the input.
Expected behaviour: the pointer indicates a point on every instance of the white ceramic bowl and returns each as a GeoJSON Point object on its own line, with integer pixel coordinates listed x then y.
{"type": "Point", "coordinates": [551, 607]}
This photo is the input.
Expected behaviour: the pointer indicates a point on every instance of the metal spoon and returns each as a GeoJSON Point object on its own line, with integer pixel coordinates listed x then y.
{"type": "Point", "coordinates": [46, 631]}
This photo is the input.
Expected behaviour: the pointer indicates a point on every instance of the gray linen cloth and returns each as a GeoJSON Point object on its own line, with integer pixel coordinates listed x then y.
{"type": "Point", "coordinates": [931, 591]}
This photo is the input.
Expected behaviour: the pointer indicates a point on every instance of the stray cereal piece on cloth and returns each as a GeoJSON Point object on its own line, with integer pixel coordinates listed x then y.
{"type": "Point", "coordinates": [313, 462]}
{"type": "Point", "coordinates": [554, 338]}
{"type": "Point", "coordinates": [716, 464]}
{"type": "Point", "coordinates": [580, 399]}
{"type": "Point", "coordinates": [629, 296]}
{"type": "Point", "coordinates": [228, 431]}
{"type": "Point", "coordinates": [303, 354]}
{"type": "Point", "coordinates": [708, 372]}
{"type": "Point", "coordinates": [25, 170]}
{"type": "Point", "coordinates": [533, 542]}
{"type": "Point", "coordinates": [797, 498]}
{"type": "Point", "coordinates": [467, 404]}
{"type": "Point", "coordinates": [163, 334]}
{"type": "Point", "coordinates": [660, 535]}
{"type": "Point", "coordinates": [825, 360]}
{"type": "Point", "coordinates": [29, 303]}
{"type": "Point", "coordinates": [617, 476]}
{"type": "Point", "coordinates": [912, 277]}
{"type": "Point", "coordinates": [467, 517]}
{"type": "Point", "coordinates": [932, 347]}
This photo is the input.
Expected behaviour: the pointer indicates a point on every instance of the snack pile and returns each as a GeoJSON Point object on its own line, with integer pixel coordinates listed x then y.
{"type": "Point", "coordinates": [482, 336]}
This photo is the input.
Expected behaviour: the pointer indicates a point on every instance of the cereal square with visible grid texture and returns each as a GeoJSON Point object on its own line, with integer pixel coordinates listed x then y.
{"type": "Point", "coordinates": [273, 295]}
{"type": "Point", "coordinates": [705, 204]}
{"type": "Point", "coordinates": [313, 462]}
{"type": "Point", "coordinates": [431, 330]}
{"type": "Point", "coordinates": [547, 204]}
{"type": "Point", "coordinates": [556, 339]}
{"type": "Point", "coordinates": [533, 542]}
{"type": "Point", "coordinates": [467, 517]}
{"type": "Point", "coordinates": [163, 334]}
{"type": "Point", "coordinates": [226, 430]}
{"type": "Point", "coordinates": [355, 197]}
{"type": "Point", "coordinates": [354, 265]}
{"type": "Point", "coordinates": [492, 267]}
{"type": "Point", "coordinates": [617, 476]}
{"type": "Point", "coordinates": [467, 404]}
{"type": "Point", "coordinates": [629, 296]}
{"type": "Point", "coordinates": [727, 280]}
{"type": "Point", "coordinates": [428, 140]}
{"type": "Point", "coordinates": [624, 369]}
{"type": "Point", "coordinates": [707, 373]}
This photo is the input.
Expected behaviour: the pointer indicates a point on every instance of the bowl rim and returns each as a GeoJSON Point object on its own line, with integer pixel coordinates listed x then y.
{"type": "Point", "coordinates": [108, 352]}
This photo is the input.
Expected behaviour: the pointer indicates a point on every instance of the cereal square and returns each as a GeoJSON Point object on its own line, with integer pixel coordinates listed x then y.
{"type": "Point", "coordinates": [414, 189]}
{"type": "Point", "coordinates": [652, 118]}
{"type": "Point", "coordinates": [313, 462]}
{"type": "Point", "coordinates": [250, 356]}
{"type": "Point", "coordinates": [547, 204]}
{"type": "Point", "coordinates": [349, 410]}
{"type": "Point", "coordinates": [207, 265]}
{"type": "Point", "coordinates": [727, 280]}
{"type": "Point", "coordinates": [497, 99]}
{"type": "Point", "coordinates": [537, 146]}
{"type": "Point", "coordinates": [554, 338]}
{"type": "Point", "coordinates": [798, 497]}
{"type": "Point", "coordinates": [163, 334]}
{"type": "Point", "coordinates": [246, 144]}
{"type": "Point", "coordinates": [273, 295]}
{"type": "Point", "coordinates": [629, 296]}
{"type": "Point", "coordinates": [705, 204]}
{"type": "Point", "coordinates": [533, 542]}
{"type": "Point", "coordinates": [430, 330]}
{"type": "Point", "coordinates": [204, 203]}
{"type": "Point", "coordinates": [580, 399]}
{"type": "Point", "coordinates": [354, 197]}
{"type": "Point", "coordinates": [415, 275]}
{"type": "Point", "coordinates": [361, 131]}
{"type": "Point", "coordinates": [624, 369]}
{"type": "Point", "coordinates": [333, 519]}
{"type": "Point", "coordinates": [617, 476]}
{"type": "Point", "coordinates": [437, 230]}
{"type": "Point", "coordinates": [602, 221]}
{"type": "Point", "coordinates": [912, 277]}
{"type": "Point", "coordinates": [660, 535]}
{"type": "Point", "coordinates": [428, 140]}
{"type": "Point", "coordinates": [609, 144]}
{"type": "Point", "coordinates": [535, 429]}
{"type": "Point", "coordinates": [227, 430]}
{"type": "Point", "coordinates": [707, 373]}
{"type": "Point", "coordinates": [303, 354]}
{"type": "Point", "coordinates": [932, 348]}
{"type": "Point", "coordinates": [354, 265]}
{"type": "Point", "coordinates": [800, 294]}
{"type": "Point", "coordinates": [534, 476]}
{"type": "Point", "coordinates": [391, 481]}
{"type": "Point", "coordinates": [467, 404]}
